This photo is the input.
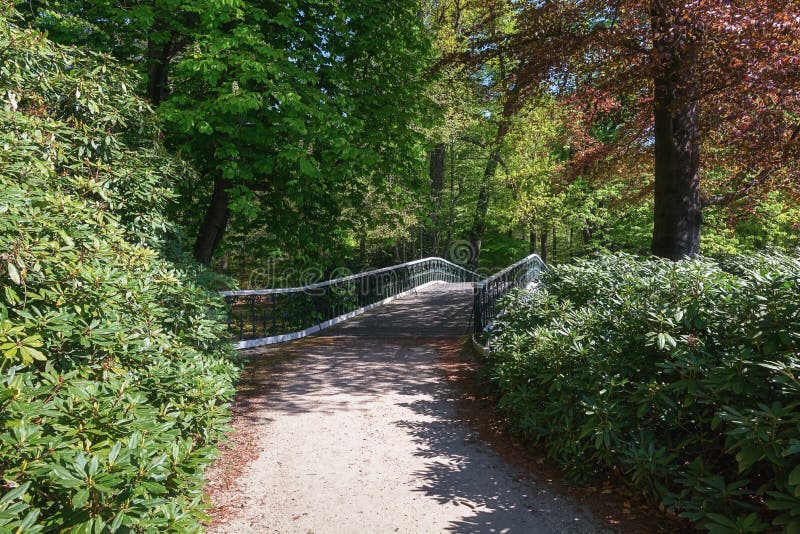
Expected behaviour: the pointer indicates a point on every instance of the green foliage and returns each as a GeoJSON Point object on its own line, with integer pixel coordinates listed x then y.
{"type": "Point", "coordinates": [683, 377]}
{"type": "Point", "coordinates": [114, 379]}
{"type": "Point", "coordinates": [299, 110]}
{"type": "Point", "coordinates": [626, 226]}
{"type": "Point", "coordinates": [501, 251]}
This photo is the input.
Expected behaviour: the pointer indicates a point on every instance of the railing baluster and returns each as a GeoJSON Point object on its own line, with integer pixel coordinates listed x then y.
{"type": "Point", "coordinates": [272, 302]}
{"type": "Point", "coordinates": [490, 291]}
{"type": "Point", "coordinates": [268, 314]}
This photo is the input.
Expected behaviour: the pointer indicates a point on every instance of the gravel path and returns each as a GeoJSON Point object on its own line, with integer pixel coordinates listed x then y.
{"type": "Point", "coordinates": [358, 434]}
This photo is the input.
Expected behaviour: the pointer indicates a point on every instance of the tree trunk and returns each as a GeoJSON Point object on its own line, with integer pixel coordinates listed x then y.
{"type": "Point", "coordinates": [532, 240]}
{"type": "Point", "coordinates": [571, 236]}
{"type": "Point", "coordinates": [482, 206]}
{"type": "Point", "coordinates": [554, 242]}
{"type": "Point", "coordinates": [437, 185]}
{"type": "Point", "coordinates": [677, 211]}
{"type": "Point", "coordinates": [214, 222]}
{"type": "Point", "coordinates": [543, 245]}
{"type": "Point", "coordinates": [158, 57]}
{"type": "Point", "coordinates": [452, 211]}
{"type": "Point", "coordinates": [481, 209]}
{"type": "Point", "coordinates": [362, 243]}
{"type": "Point", "coordinates": [437, 173]}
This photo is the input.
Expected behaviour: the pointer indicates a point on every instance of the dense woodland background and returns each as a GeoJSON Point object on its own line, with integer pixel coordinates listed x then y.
{"type": "Point", "coordinates": [154, 151]}
{"type": "Point", "coordinates": [356, 133]}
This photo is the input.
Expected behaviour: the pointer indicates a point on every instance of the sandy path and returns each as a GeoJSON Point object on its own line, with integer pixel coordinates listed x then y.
{"type": "Point", "coordinates": [360, 435]}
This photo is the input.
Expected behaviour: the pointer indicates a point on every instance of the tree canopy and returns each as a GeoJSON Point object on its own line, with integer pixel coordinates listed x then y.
{"type": "Point", "coordinates": [308, 121]}
{"type": "Point", "coordinates": [288, 111]}
{"type": "Point", "coordinates": [695, 87]}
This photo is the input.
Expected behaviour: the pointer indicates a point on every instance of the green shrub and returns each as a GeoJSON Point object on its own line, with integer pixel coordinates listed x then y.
{"type": "Point", "coordinates": [114, 379]}
{"type": "Point", "coordinates": [683, 377]}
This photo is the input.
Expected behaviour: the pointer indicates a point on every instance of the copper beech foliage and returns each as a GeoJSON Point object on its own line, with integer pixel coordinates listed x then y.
{"type": "Point", "coordinates": [737, 61]}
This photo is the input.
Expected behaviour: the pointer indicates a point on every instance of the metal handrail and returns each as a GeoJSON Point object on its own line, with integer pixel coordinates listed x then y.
{"type": "Point", "coordinates": [489, 291]}
{"type": "Point", "coordinates": [317, 285]}
{"type": "Point", "coordinates": [265, 316]}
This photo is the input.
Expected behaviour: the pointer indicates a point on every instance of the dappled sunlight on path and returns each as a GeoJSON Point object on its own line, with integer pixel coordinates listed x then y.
{"type": "Point", "coordinates": [354, 432]}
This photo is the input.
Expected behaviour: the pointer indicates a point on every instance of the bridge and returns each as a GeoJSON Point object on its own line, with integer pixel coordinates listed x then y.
{"type": "Point", "coordinates": [358, 427]}
{"type": "Point", "coordinates": [454, 299]}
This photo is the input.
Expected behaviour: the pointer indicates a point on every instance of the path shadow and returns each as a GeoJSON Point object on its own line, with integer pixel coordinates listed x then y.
{"type": "Point", "coordinates": [393, 350]}
{"type": "Point", "coordinates": [372, 354]}
{"type": "Point", "coordinates": [442, 310]}
{"type": "Point", "coordinates": [462, 471]}
{"type": "Point", "coordinates": [325, 374]}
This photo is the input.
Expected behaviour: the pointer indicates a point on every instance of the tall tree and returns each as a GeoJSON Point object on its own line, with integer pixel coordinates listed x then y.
{"type": "Point", "coordinates": [436, 173]}
{"type": "Point", "coordinates": [704, 77]}
{"type": "Point", "coordinates": [454, 21]}
{"type": "Point", "coordinates": [285, 108]}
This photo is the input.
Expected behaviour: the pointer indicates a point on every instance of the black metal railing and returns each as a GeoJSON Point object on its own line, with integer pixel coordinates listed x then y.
{"type": "Point", "coordinates": [264, 316]}
{"type": "Point", "coordinates": [489, 291]}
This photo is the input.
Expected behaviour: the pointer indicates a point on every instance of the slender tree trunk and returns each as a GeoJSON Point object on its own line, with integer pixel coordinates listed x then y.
{"type": "Point", "coordinates": [677, 211]}
{"type": "Point", "coordinates": [452, 211]}
{"type": "Point", "coordinates": [554, 242]}
{"type": "Point", "coordinates": [532, 240]}
{"type": "Point", "coordinates": [482, 208]}
{"type": "Point", "coordinates": [571, 236]}
{"type": "Point", "coordinates": [214, 222]}
{"type": "Point", "coordinates": [362, 242]}
{"type": "Point", "coordinates": [543, 245]}
{"type": "Point", "coordinates": [437, 172]}
{"type": "Point", "coordinates": [158, 57]}
{"type": "Point", "coordinates": [437, 185]}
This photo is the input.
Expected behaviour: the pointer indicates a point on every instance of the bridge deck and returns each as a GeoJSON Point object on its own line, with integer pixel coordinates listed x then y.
{"type": "Point", "coordinates": [439, 310]}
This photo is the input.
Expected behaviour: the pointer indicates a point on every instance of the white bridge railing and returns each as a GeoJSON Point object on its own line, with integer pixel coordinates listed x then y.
{"type": "Point", "coordinates": [265, 316]}
{"type": "Point", "coordinates": [489, 291]}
